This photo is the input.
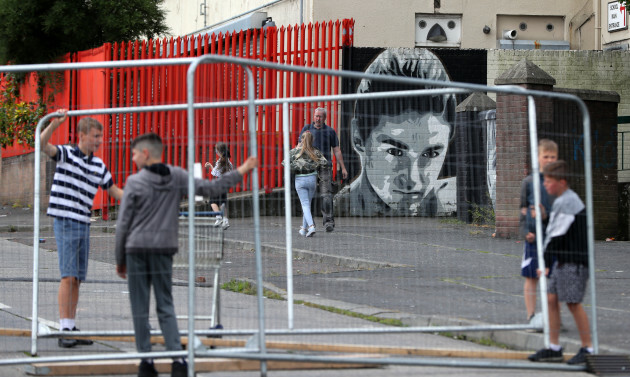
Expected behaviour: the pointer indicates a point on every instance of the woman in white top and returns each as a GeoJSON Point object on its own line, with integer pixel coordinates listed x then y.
{"type": "Point", "coordinates": [222, 166]}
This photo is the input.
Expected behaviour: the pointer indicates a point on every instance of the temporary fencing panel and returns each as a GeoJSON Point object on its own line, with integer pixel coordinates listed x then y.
{"type": "Point", "coordinates": [429, 274]}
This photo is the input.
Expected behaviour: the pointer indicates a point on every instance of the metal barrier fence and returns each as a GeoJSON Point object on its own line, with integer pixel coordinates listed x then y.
{"type": "Point", "coordinates": [260, 352]}
{"type": "Point", "coordinates": [623, 146]}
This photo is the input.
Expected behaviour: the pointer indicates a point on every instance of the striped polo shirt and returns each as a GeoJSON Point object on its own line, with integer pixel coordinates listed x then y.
{"type": "Point", "coordinates": [75, 183]}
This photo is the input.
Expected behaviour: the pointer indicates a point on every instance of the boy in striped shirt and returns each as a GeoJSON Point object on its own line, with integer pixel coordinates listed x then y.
{"type": "Point", "coordinates": [78, 176]}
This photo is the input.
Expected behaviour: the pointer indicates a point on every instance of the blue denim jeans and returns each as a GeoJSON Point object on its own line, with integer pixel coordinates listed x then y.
{"type": "Point", "coordinates": [73, 247]}
{"type": "Point", "coordinates": [305, 186]}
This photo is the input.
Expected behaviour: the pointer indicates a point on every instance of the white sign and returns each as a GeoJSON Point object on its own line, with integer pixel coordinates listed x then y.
{"type": "Point", "coordinates": [617, 16]}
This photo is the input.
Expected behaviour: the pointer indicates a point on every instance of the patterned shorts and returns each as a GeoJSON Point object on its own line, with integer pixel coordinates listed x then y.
{"type": "Point", "coordinates": [568, 281]}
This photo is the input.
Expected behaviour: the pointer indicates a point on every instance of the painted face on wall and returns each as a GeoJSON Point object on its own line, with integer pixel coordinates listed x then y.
{"type": "Point", "coordinates": [403, 157]}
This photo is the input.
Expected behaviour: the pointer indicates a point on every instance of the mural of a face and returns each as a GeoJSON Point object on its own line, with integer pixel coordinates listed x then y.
{"type": "Point", "coordinates": [403, 156]}
{"type": "Point", "coordinates": [401, 142]}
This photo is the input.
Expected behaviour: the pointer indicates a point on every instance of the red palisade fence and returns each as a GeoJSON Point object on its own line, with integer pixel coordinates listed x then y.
{"type": "Point", "coordinates": [313, 45]}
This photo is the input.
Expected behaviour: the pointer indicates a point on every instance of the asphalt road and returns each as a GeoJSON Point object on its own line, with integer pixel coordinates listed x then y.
{"type": "Point", "coordinates": [419, 271]}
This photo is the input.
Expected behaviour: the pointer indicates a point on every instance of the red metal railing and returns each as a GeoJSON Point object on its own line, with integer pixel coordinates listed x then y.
{"type": "Point", "coordinates": [313, 45]}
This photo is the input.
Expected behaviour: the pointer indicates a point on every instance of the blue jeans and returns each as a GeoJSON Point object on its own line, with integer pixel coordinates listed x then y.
{"type": "Point", "coordinates": [305, 186]}
{"type": "Point", "coordinates": [73, 247]}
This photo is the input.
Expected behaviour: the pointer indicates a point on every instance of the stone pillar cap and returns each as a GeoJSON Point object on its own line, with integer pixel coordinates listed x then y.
{"type": "Point", "coordinates": [476, 102]}
{"type": "Point", "coordinates": [525, 72]}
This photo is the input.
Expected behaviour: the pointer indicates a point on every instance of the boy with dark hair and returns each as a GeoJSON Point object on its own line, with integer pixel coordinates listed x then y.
{"type": "Point", "coordinates": [565, 246]}
{"type": "Point", "coordinates": [547, 153]}
{"type": "Point", "coordinates": [146, 239]}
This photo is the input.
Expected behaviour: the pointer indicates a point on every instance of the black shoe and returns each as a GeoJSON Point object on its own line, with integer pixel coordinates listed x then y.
{"type": "Point", "coordinates": [546, 354]}
{"type": "Point", "coordinates": [179, 369]}
{"type": "Point", "coordinates": [147, 369]}
{"type": "Point", "coordinates": [580, 357]}
{"type": "Point", "coordinates": [217, 327]}
{"type": "Point", "coordinates": [82, 342]}
{"type": "Point", "coordinates": [66, 343]}
{"type": "Point", "coordinates": [329, 227]}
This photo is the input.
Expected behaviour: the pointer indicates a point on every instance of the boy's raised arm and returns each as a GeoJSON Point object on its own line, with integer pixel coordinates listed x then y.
{"type": "Point", "coordinates": [46, 147]}
{"type": "Point", "coordinates": [248, 165]}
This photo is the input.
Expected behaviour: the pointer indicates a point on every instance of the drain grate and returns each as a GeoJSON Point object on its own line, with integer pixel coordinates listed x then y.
{"type": "Point", "coordinates": [608, 365]}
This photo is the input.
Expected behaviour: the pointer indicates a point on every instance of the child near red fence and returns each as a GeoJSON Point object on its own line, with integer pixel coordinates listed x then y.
{"type": "Point", "coordinates": [222, 166]}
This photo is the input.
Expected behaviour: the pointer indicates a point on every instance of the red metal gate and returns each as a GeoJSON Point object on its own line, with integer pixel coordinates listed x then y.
{"type": "Point", "coordinates": [312, 45]}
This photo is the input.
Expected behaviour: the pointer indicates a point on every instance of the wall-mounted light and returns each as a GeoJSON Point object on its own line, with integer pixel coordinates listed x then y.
{"type": "Point", "coordinates": [268, 22]}
{"type": "Point", "coordinates": [486, 29]}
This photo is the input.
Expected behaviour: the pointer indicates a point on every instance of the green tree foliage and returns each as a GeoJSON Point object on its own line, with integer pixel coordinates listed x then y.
{"type": "Point", "coordinates": [18, 119]}
{"type": "Point", "coordinates": [40, 31]}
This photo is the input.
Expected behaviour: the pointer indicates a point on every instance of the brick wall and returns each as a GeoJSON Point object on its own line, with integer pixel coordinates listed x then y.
{"type": "Point", "coordinates": [560, 121]}
{"type": "Point", "coordinates": [513, 157]}
{"type": "Point", "coordinates": [595, 70]}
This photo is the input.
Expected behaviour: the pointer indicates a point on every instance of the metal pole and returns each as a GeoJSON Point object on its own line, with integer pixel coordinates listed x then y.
{"type": "Point", "coordinates": [190, 99]}
{"type": "Point", "coordinates": [287, 210]}
{"type": "Point", "coordinates": [36, 205]}
{"type": "Point", "coordinates": [533, 141]}
{"type": "Point", "coordinates": [310, 331]}
{"type": "Point", "coordinates": [415, 361]}
{"type": "Point", "coordinates": [590, 227]}
{"type": "Point", "coordinates": [253, 148]}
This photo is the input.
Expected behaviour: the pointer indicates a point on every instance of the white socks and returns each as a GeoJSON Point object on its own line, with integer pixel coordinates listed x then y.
{"type": "Point", "coordinates": [66, 323]}
{"type": "Point", "coordinates": [555, 347]}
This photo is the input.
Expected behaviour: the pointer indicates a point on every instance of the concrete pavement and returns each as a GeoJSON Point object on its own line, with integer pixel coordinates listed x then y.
{"type": "Point", "coordinates": [419, 271]}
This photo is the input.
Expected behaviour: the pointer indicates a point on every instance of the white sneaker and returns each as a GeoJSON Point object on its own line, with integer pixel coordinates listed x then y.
{"type": "Point", "coordinates": [302, 232]}
{"type": "Point", "coordinates": [225, 224]}
{"type": "Point", "coordinates": [219, 221]}
{"type": "Point", "coordinates": [311, 231]}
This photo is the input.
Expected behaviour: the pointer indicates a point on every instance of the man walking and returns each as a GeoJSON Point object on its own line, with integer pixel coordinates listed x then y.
{"type": "Point", "coordinates": [325, 139]}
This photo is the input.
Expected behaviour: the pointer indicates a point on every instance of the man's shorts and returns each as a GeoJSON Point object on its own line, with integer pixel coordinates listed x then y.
{"type": "Point", "coordinates": [568, 281]}
{"type": "Point", "coordinates": [73, 247]}
{"type": "Point", "coordinates": [529, 263]}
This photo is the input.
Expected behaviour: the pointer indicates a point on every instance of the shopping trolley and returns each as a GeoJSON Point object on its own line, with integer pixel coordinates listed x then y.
{"type": "Point", "coordinates": [208, 250]}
